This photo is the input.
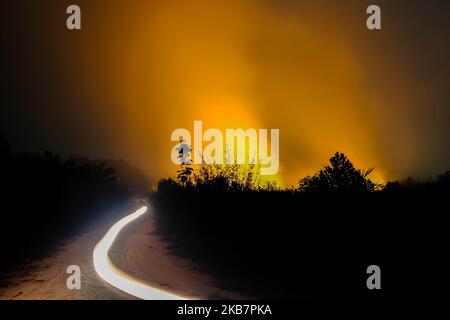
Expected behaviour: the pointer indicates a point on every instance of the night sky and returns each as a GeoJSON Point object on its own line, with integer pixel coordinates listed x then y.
{"type": "Point", "coordinates": [139, 69]}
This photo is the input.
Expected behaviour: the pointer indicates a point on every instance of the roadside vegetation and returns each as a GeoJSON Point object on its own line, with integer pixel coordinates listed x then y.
{"type": "Point", "coordinates": [314, 240]}
{"type": "Point", "coordinates": [46, 199]}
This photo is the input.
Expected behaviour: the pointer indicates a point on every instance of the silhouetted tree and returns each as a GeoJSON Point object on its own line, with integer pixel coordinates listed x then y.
{"type": "Point", "coordinates": [393, 186]}
{"type": "Point", "coordinates": [443, 180]}
{"type": "Point", "coordinates": [165, 185]}
{"type": "Point", "coordinates": [339, 176]}
{"type": "Point", "coordinates": [52, 197]}
{"type": "Point", "coordinates": [410, 183]}
{"type": "Point", "coordinates": [185, 175]}
{"type": "Point", "coordinates": [212, 176]}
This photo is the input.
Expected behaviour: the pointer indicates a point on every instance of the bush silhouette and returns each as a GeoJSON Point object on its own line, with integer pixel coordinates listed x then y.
{"type": "Point", "coordinates": [250, 236]}
{"type": "Point", "coordinates": [339, 176]}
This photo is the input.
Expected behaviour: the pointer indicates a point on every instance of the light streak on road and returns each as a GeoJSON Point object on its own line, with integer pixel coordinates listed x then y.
{"type": "Point", "coordinates": [111, 274]}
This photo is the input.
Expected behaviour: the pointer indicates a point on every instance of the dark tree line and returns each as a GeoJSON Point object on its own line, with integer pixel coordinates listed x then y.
{"type": "Point", "coordinates": [45, 199]}
{"type": "Point", "coordinates": [340, 176]}
{"type": "Point", "coordinates": [315, 240]}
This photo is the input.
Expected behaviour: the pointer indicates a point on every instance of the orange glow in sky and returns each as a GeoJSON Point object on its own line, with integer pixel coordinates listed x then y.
{"type": "Point", "coordinates": [311, 69]}
{"type": "Point", "coordinates": [242, 65]}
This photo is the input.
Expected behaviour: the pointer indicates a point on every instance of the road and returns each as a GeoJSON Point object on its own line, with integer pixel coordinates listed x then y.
{"type": "Point", "coordinates": [131, 262]}
{"type": "Point", "coordinates": [116, 277]}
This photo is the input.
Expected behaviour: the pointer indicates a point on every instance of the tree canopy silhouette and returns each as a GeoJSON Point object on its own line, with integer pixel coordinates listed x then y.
{"type": "Point", "coordinates": [46, 199]}
{"type": "Point", "coordinates": [339, 176]}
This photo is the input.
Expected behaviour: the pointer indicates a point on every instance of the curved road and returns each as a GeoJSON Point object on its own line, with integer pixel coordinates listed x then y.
{"type": "Point", "coordinates": [118, 260]}
{"type": "Point", "coordinates": [111, 274]}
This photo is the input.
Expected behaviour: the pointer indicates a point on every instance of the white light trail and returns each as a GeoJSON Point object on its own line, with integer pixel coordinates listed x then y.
{"type": "Point", "coordinates": [111, 274]}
